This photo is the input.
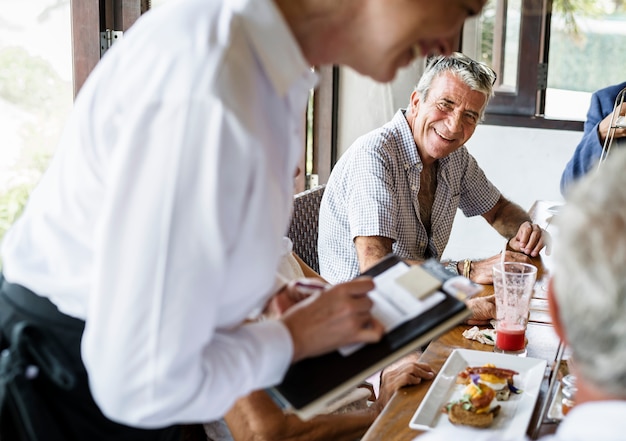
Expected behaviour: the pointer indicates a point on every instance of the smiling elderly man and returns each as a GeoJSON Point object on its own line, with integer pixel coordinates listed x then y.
{"type": "Point", "coordinates": [397, 188]}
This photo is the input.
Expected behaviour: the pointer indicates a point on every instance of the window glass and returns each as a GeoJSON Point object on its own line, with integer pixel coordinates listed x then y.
{"type": "Point", "coordinates": [511, 19]}
{"type": "Point", "coordinates": [494, 38]}
{"type": "Point", "coordinates": [587, 52]}
{"type": "Point", "coordinates": [585, 43]}
{"type": "Point", "coordinates": [155, 3]}
{"type": "Point", "coordinates": [506, 36]}
{"type": "Point", "coordinates": [35, 94]}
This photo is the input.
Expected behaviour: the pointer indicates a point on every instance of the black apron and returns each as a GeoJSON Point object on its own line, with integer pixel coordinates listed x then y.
{"type": "Point", "coordinates": [44, 391]}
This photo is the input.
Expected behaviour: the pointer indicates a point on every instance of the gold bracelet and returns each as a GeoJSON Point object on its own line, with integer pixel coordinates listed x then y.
{"type": "Point", "coordinates": [467, 266]}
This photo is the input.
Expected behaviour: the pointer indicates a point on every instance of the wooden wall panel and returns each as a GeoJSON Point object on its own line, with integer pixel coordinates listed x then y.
{"type": "Point", "coordinates": [85, 19]}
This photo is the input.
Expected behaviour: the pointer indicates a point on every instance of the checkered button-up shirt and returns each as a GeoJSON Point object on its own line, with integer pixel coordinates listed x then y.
{"type": "Point", "coordinates": [372, 191]}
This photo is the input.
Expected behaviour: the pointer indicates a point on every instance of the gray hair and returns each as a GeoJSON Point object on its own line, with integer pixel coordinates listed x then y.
{"type": "Point", "coordinates": [590, 274]}
{"type": "Point", "coordinates": [476, 75]}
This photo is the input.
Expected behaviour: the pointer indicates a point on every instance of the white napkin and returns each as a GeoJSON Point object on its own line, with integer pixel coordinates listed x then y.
{"type": "Point", "coordinates": [486, 336]}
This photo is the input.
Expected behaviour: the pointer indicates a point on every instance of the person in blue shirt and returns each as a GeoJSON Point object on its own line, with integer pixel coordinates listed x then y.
{"type": "Point", "coordinates": [596, 129]}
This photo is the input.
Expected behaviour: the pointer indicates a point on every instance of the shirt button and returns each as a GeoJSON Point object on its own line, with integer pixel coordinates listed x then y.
{"type": "Point", "coordinates": [414, 188]}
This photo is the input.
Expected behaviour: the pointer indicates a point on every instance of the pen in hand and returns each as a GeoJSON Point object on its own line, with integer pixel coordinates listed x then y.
{"type": "Point", "coordinates": [293, 293]}
{"type": "Point", "coordinates": [310, 286]}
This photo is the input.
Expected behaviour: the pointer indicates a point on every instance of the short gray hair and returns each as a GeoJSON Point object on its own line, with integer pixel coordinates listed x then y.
{"type": "Point", "coordinates": [590, 274]}
{"type": "Point", "coordinates": [476, 75]}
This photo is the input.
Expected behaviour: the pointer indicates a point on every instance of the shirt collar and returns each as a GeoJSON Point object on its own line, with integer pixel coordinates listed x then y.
{"type": "Point", "coordinates": [407, 147]}
{"type": "Point", "coordinates": [275, 45]}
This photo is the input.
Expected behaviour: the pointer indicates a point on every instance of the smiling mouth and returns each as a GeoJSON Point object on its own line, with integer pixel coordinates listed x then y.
{"type": "Point", "coordinates": [442, 135]}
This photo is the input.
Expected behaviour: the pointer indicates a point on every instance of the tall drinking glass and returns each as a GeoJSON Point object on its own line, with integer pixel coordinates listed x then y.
{"type": "Point", "coordinates": [513, 285]}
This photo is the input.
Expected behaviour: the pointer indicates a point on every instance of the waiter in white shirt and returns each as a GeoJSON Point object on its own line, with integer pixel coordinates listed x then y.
{"type": "Point", "coordinates": [172, 180]}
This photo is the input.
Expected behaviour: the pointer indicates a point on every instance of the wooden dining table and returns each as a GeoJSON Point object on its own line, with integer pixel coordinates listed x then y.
{"type": "Point", "coordinates": [393, 422]}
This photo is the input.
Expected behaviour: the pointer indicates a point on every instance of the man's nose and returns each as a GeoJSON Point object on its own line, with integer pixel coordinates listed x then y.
{"type": "Point", "coordinates": [454, 121]}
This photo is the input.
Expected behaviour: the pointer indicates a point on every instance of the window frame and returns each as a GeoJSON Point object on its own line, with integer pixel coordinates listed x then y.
{"type": "Point", "coordinates": [525, 106]}
{"type": "Point", "coordinates": [325, 102]}
{"type": "Point", "coordinates": [91, 17]}
{"type": "Point", "coordinates": [522, 108]}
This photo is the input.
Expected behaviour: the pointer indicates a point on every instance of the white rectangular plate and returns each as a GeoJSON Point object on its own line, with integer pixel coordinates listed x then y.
{"type": "Point", "coordinates": [514, 414]}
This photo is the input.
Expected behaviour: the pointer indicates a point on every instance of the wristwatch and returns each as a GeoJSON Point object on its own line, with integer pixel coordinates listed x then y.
{"type": "Point", "coordinates": [453, 267]}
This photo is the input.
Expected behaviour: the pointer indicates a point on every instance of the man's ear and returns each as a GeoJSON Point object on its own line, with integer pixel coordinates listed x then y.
{"type": "Point", "coordinates": [554, 311]}
{"type": "Point", "coordinates": [415, 99]}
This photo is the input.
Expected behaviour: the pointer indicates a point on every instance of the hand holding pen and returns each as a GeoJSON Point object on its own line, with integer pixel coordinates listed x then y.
{"type": "Point", "coordinates": [324, 317]}
{"type": "Point", "coordinates": [293, 292]}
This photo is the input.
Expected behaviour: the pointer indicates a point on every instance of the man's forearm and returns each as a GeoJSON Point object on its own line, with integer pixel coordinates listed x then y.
{"type": "Point", "coordinates": [508, 225]}
{"type": "Point", "coordinates": [508, 217]}
{"type": "Point", "coordinates": [256, 418]}
{"type": "Point", "coordinates": [337, 427]}
{"type": "Point", "coordinates": [370, 249]}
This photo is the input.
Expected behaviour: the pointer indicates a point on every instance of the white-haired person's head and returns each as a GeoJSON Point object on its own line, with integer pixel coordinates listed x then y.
{"type": "Point", "coordinates": [476, 75]}
{"type": "Point", "coordinates": [589, 276]}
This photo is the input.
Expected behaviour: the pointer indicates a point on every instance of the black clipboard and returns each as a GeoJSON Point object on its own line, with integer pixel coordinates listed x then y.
{"type": "Point", "coordinates": [314, 384]}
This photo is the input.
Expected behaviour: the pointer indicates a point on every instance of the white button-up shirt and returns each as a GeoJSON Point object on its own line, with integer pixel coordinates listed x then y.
{"type": "Point", "coordinates": [160, 220]}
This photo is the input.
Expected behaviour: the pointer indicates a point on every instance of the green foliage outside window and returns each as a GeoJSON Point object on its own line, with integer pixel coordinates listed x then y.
{"type": "Point", "coordinates": [31, 87]}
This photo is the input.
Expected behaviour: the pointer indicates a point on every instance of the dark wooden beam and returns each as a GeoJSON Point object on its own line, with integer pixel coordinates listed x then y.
{"type": "Point", "coordinates": [85, 20]}
{"type": "Point", "coordinates": [325, 113]}
{"type": "Point", "coordinates": [89, 19]}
